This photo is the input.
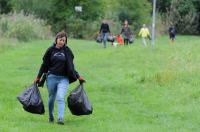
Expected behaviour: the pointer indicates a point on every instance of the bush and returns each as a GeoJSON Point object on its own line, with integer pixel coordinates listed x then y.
{"type": "Point", "coordinates": [79, 28]}
{"type": "Point", "coordinates": [183, 15]}
{"type": "Point", "coordinates": [23, 28]}
{"type": "Point", "coordinates": [3, 25]}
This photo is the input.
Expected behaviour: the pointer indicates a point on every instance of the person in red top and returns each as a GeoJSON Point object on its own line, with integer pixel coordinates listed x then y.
{"type": "Point", "coordinates": [119, 39]}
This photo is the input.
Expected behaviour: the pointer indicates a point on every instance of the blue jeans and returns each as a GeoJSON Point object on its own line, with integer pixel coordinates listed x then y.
{"type": "Point", "coordinates": [105, 36]}
{"type": "Point", "coordinates": [144, 41]}
{"type": "Point", "coordinates": [57, 89]}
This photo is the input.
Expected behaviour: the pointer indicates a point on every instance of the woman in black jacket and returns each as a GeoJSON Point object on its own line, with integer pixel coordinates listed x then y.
{"type": "Point", "coordinates": [172, 33]}
{"type": "Point", "coordinates": [104, 30]}
{"type": "Point", "coordinates": [59, 68]}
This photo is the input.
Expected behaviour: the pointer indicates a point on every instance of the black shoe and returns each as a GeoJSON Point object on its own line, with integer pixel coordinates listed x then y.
{"type": "Point", "coordinates": [60, 122]}
{"type": "Point", "coordinates": [51, 120]}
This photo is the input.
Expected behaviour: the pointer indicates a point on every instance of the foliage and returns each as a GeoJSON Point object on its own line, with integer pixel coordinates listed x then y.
{"type": "Point", "coordinates": [38, 7]}
{"type": "Point", "coordinates": [5, 6]}
{"type": "Point", "coordinates": [163, 5]}
{"type": "Point", "coordinates": [136, 12]}
{"type": "Point", "coordinates": [64, 17]}
{"type": "Point", "coordinates": [24, 28]}
{"type": "Point", "coordinates": [75, 22]}
{"type": "Point", "coordinates": [61, 15]}
{"type": "Point", "coordinates": [184, 14]}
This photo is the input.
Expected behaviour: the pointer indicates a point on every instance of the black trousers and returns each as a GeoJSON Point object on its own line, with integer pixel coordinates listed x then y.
{"type": "Point", "coordinates": [126, 41]}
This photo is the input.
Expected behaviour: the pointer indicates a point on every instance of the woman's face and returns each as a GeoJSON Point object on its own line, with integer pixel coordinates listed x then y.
{"type": "Point", "coordinates": [126, 23]}
{"type": "Point", "coordinates": [60, 42]}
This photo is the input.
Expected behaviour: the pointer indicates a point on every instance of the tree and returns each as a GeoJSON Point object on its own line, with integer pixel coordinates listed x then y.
{"type": "Point", "coordinates": [5, 6]}
{"type": "Point", "coordinates": [39, 8]}
{"type": "Point", "coordinates": [65, 17]}
{"type": "Point", "coordinates": [182, 14]}
{"type": "Point", "coordinates": [163, 5]}
{"type": "Point", "coordinates": [136, 12]}
{"type": "Point", "coordinates": [60, 14]}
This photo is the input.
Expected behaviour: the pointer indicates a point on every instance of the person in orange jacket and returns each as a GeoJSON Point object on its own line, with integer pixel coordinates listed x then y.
{"type": "Point", "coordinates": [119, 39]}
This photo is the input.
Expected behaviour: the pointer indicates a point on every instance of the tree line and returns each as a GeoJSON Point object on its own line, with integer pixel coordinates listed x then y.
{"type": "Point", "coordinates": [61, 14]}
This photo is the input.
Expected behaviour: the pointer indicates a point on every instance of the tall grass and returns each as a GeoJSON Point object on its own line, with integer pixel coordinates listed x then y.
{"type": "Point", "coordinates": [23, 28]}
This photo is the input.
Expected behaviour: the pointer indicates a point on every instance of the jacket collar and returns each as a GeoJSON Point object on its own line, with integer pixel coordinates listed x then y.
{"type": "Point", "coordinates": [54, 46]}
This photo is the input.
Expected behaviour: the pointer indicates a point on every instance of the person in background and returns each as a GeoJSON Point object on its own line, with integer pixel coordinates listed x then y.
{"type": "Point", "coordinates": [60, 70]}
{"type": "Point", "coordinates": [144, 33]}
{"type": "Point", "coordinates": [172, 33]}
{"type": "Point", "coordinates": [119, 39]}
{"type": "Point", "coordinates": [126, 32]}
{"type": "Point", "coordinates": [104, 30]}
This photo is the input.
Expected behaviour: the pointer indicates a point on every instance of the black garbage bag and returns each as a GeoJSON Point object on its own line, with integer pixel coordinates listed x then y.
{"type": "Point", "coordinates": [78, 102]}
{"type": "Point", "coordinates": [110, 38]}
{"type": "Point", "coordinates": [99, 38]}
{"type": "Point", "coordinates": [131, 39]}
{"type": "Point", "coordinates": [32, 100]}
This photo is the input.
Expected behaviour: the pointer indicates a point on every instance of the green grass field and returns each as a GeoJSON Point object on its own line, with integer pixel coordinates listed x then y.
{"type": "Point", "coordinates": [132, 88]}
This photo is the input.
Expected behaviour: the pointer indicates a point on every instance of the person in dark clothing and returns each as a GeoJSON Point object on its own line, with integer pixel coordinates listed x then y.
{"type": "Point", "coordinates": [172, 33]}
{"type": "Point", "coordinates": [59, 68]}
{"type": "Point", "coordinates": [104, 30]}
{"type": "Point", "coordinates": [126, 32]}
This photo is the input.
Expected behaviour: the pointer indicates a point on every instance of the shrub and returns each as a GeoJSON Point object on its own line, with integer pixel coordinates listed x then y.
{"type": "Point", "coordinates": [23, 28]}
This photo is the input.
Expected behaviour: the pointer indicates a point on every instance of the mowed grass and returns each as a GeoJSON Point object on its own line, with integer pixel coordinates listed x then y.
{"type": "Point", "coordinates": [132, 88]}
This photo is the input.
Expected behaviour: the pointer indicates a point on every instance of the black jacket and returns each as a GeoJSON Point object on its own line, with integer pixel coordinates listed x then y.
{"type": "Point", "coordinates": [172, 30]}
{"type": "Point", "coordinates": [104, 28]}
{"type": "Point", "coordinates": [71, 73]}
